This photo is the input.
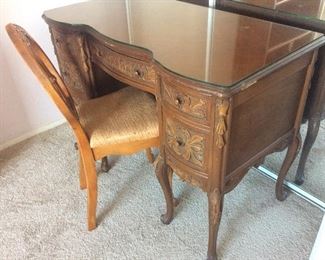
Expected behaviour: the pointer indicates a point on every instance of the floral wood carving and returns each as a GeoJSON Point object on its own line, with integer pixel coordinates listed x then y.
{"type": "Point", "coordinates": [195, 106]}
{"type": "Point", "coordinates": [221, 127]}
{"type": "Point", "coordinates": [125, 65]}
{"type": "Point", "coordinates": [74, 64]}
{"type": "Point", "coordinates": [184, 143]}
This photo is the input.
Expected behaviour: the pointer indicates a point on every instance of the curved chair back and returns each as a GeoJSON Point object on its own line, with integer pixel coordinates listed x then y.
{"type": "Point", "coordinates": [44, 70]}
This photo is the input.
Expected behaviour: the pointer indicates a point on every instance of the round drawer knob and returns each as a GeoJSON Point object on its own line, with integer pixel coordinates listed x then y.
{"type": "Point", "coordinates": [99, 53]}
{"type": "Point", "coordinates": [180, 142]}
{"type": "Point", "coordinates": [139, 73]}
{"type": "Point", "coordinates": [178, 101]}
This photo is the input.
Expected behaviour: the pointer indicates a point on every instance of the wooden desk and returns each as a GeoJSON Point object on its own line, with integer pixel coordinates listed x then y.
{"type": "Point", "coordinates": [226, 96]}
{"type": "Point", "coordinates": [306, 14]}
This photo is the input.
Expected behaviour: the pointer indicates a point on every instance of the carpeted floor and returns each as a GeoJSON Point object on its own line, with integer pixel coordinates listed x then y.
{"type": "Point", "coordinates": [43, 212]}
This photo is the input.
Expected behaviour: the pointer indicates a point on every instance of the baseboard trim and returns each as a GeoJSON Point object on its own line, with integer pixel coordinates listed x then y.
{"type": "Point", "coordinates": [31, 134]}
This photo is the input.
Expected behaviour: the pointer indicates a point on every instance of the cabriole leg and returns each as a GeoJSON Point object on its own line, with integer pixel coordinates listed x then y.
{"type": "Point", "coordinates": [293, 149]}
{"type": "Point", "coordinates": [162, 175]}
{"type": "Point", "coordinates": [215, 200]}
{"type": "Point", "coordinates": [313, 128]}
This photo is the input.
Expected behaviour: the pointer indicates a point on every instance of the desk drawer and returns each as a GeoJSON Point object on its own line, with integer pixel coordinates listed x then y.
{"type": "Point", "coordinates": [186, 144]}
{"type": "Point", "coordinates": [124, 66]}
{"type": "Point", "coordinates": [188, 174]}
{"type": "Point", "coordinates": [191, 104]}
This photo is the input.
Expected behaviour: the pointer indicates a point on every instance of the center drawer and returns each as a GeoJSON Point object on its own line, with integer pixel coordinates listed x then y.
{"type": "Point", "coordinates": [123, 66]}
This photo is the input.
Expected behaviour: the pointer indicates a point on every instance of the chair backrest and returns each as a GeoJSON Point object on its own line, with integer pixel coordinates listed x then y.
{"type": "Point", "coordinates": [44, 70]}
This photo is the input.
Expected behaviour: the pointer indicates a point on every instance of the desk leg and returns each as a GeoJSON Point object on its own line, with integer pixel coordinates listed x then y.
{"type": "Point", "coordinates": [215, 199]}
{"type": "Point", "coordinates": [313, 127]}
{"type": "Point", "coordinates": [316, 102]}
{"type": "Point", "coordinates": [162, 171]}
{"type": "Point", "coordinates": [293, 149]}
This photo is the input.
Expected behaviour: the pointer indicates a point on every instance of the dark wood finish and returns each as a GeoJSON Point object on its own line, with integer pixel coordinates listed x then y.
{"type": "Point", "coordinates": [75, 65]}
{"type": "Point", "coordinates": [104, 166]}
{"type": "Point", "coordinates": [197, 2]}
{"type": "Point", "coordinates": [308, 16]}
{"type": "Point", "coordinates": [212, 157]}
{"type": "Point", "coordinates": [213, 126]}
{"type": "Point", "coordinates": [315, 113]}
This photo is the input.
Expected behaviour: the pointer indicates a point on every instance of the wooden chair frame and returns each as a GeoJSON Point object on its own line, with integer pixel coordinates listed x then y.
{"type": "Point", "coordinates": [51, 81]}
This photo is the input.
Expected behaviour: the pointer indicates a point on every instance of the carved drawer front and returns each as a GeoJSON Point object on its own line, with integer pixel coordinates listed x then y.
{"type": "Point", "coordinates": [188, 174]}
{"type": "Point", "coordinates": [125, 66]}
{"type": "Point", "coordinates": [198, 107]}
{"type": "Point", "coordinates": [186, 144]}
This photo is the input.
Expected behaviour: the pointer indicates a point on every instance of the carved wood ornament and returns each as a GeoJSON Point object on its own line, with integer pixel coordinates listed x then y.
{"type": "Point", "coordinates": [221, 127]}
{"type": "Point", "coordinates": [74, 62]}
{"type": "Point", "coordinates": [132, 69]}
{"type": "Point", "coordinates": [194, 106]}
{"type": "Point", "coordinates": [184, 143]}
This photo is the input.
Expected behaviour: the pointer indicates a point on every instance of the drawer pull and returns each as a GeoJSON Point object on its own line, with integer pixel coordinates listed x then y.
{"type": "Point", "coordinates": [185, 143]}
{"type": "Point", "coordinates": [178, 101]}
{"type": "Point", "coordinates": [193, 105]}
{"type": "Point", "coordinates": [139, 73]}
{"type": "Point", "coordinates": [99, 53]}
{"type": "Point", "coordinates": [126, 66]}
{"type": "Point", "coordinates": [180, 142]}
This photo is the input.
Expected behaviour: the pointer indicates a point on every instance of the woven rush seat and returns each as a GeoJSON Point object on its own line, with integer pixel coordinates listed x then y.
{"type": "Point", "coordinates": [125, 116]}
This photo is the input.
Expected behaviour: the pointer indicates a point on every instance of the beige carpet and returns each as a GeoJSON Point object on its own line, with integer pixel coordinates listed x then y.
{"type": "Point", "coordinates": [42, 211]}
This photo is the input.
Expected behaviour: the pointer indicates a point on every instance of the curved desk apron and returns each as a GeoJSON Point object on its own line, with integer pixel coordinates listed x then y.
{"type": "Point", "coordinates": [230, 89]}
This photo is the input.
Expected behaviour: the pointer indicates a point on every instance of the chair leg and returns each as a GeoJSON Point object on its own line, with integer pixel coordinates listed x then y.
{"type": "Point", "coordinates": [82, 177]}
{"type": "Point", "coordinates": [149, 155]}
{"type": "Point", "coordinates": [104, 166]}
{"type": "Point", "coordinates": [91, 178]}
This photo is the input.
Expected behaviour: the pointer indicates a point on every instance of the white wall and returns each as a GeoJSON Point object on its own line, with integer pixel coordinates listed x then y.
{"type": "Point", "coordinates": [24, 106]}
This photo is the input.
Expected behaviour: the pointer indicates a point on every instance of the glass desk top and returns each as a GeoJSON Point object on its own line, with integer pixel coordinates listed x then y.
{"type": "Point", "coordinates": [197, 42]}
{"type": "Point", "coordinates": [310, 12]}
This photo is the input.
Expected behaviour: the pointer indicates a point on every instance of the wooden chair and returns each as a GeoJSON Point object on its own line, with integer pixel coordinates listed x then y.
{"type": "Point", "coordinates": [122, 122]}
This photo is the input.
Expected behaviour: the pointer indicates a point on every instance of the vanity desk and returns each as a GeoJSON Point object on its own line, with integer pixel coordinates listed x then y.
{"type": "Point", "coordinates": [227, 93]}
